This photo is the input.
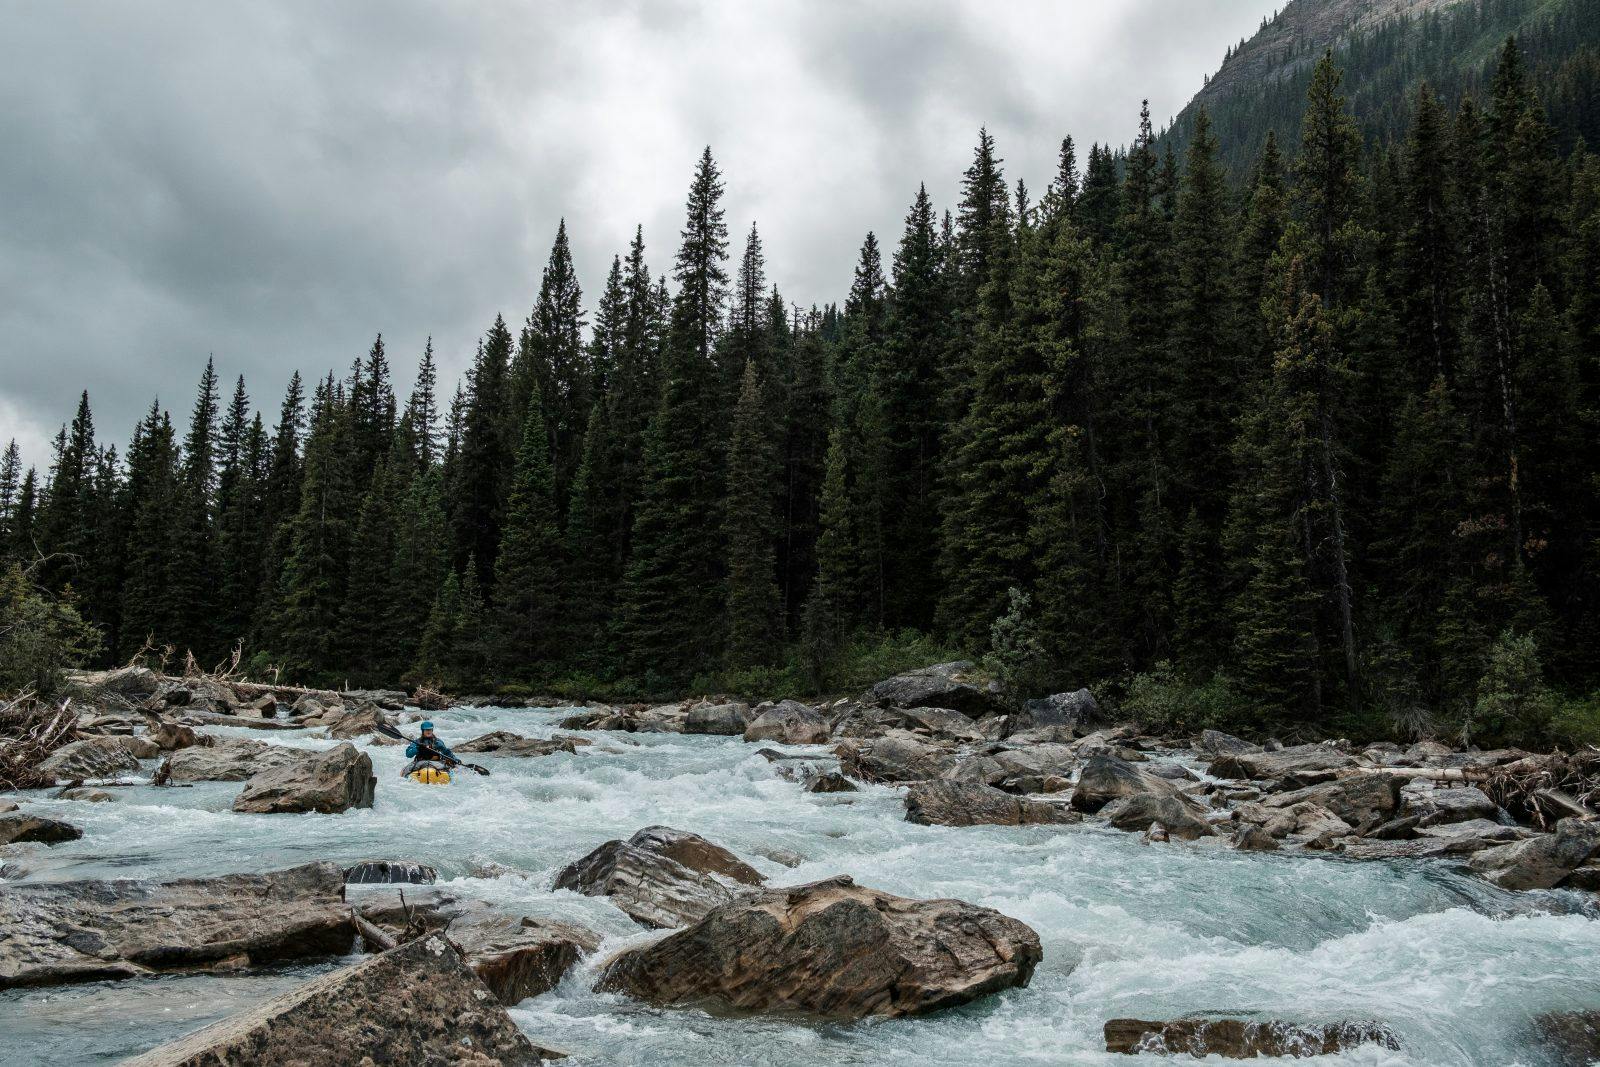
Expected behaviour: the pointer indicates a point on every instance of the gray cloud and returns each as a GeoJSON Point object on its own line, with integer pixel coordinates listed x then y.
{"type": "Point", "coordinates": [276, 182]}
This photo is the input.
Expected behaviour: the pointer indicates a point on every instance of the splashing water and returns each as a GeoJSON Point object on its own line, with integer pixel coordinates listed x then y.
{"type": "Point", "coordinates": [1456, 968]}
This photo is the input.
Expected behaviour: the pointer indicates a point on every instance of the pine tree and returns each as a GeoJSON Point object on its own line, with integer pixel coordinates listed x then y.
{"type": "Point", "coordinates": [552, 364]}
{"type": "Point", "coordinates": [421, 562]}
{"type": "Point", "coordinates": [1327, 185]}
{"type": "Point", "coordinates": [674, 581]}
{"type": "Point", "coordinates": [372, 407]}
{"type": "Point", "coordinates": [481, 474]}
{"type": "Point", "coordinates": [64, 523]}
{"type": "Point", "coordinates": [193, 602]}
{"type": "Point", "coordinates": [752, 606]}
{"type": "Point", "coordinates": [421, 417]}
{"type": "Point", "coordinates": [316, 571]}
{"type": "Point", "coordinates": [367, 638]}
{"type": "Point", "coordinates": [10, 485]}
{"type": "Point", "coordinates": [240, 535]}
{"type": "Point", "coordinates": [151, 492]}
{"type": "Point", "coordinates": [907, 389]}
{"type": "Point", "coordinates": [531, 597]}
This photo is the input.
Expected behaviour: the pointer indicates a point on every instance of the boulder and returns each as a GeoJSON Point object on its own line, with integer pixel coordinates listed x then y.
{"type": "Point", "coordinates": [660, 877]}
{"type": "Point", "coordinates": [788, 723]}
{"type": "Point", "coordinates": [93, 757]}
{"type": "Point", "coordinates": [953, 803]}
{"type": "Point", "coordinates": [1107, 778]}
{"type": "Point", "coordinates": [1446, 840]}
{"type": "Point", "coordinates": [1571, 1037]}
{"type": "Point", "coordinates": [231, 759]}
{"type": "Point", "coordinates": [1360, 800]}
{"type": "Point", "coordinates": [1457, 804]}
{"type": "Point", "coordinates": [19, 828]}
{"type": "Point", "coordinates": [901, 758]}
{"type": "Point", "coordinates": [726, 720]}
{"type": "Point", "coordinates": [936, 722]}
{"type": "Point", "coordinates": [663, 719]}
{"type": "Point", "coordinates": [829, 782]}
{"type": "Point", "coordinates": [1071, 710]}
{"type": "Point", "coordinates": [520, 957]}
{"type": "Point", "coordinates": [1215, 743]}
{"type": "Point", "coordinates": [1136, 814]}
{"type": "Point", "coordinates": [831, 949]}
{"type": "Point", "coordinates": [1541, 862]}
{"type": "Point", "coordinates": [696, 853]}
{"type": "Point", "coordinates": [364, 720]}
{"type": "Point", "coordinates": [390, 872]}
{"type": "Point", "coordinates": [1299, 766]}
{"type": "Point", "coordinates": [169, 737]}
{"type": "Point", "coordinates": [417, 1004]}
{"type": "Point", "coordinates": [140, 747]}
{"type": "Point", "coordinates": [58, 932]}
{"type": "Point", "coordinates": [945, 685]}
{"type": "Point", "coordinates": [506, 743]}
{"type": "Point", "coordinates": [134, 683]}
{"type": "Point", "coordinates": [84, 793]}
{"type": "Point", "coordinates": [1241, 1039]}
{"type": "Point", "coordinates": [330, 782]}
{"type": "Point", "coordinates": [1249, 837]}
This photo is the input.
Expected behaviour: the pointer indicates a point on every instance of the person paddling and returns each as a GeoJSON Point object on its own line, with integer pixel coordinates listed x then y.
{"type": "Point", "coordinates": [429, 749]}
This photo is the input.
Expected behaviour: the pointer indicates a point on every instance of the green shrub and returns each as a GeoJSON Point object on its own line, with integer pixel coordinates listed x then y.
{"type": "Point", "coordinates": [1164, 702]}
{"type": "Point", "coordinates": [1016, 654]}
{"type": "Point", "coordinates": [40, 636]}
{"type": "Point", "coordinates": [1513, 705]}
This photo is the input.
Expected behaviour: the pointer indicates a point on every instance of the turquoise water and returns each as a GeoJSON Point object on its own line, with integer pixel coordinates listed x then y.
{"type": "Point", "coordinates": [1457, 968]}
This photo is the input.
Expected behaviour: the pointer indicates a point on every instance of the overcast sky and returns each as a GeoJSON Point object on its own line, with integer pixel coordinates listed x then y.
{"type": "Point", "coordinates": [276, 182]}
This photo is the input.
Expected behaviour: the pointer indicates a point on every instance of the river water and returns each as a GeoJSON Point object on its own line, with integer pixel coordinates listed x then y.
{"type": "Point", "coordinates": [1455, 967]}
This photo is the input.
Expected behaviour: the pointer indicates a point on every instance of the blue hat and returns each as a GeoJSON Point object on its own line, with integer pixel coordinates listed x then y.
{"type": "Point", "coordinates": [426, 725]}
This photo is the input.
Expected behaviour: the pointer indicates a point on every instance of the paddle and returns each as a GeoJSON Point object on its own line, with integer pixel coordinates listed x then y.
{"type": "Point", "coordinates": [389, 731]}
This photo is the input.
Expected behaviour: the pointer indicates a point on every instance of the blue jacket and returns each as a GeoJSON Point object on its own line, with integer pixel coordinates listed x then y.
{"type": "Point", "coordinates": [434, 744]}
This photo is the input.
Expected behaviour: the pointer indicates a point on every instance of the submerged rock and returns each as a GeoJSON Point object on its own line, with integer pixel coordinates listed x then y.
{"type": "Point", "coordinates": [390, 872]}
{"type": "Point", "coordinates": [1572, 1037]}
{"type": "Point", "coordinates": [20, 828]}
{"type": "Point", "coordinates": [832, 949]}
{"type": "Point", "coordinates": [661, 877]}
{"type": "Point", "coordinates": [788, 723]}
{"type": "Point", "coordinates": [829, 782]}
{"type": "Point", "coordinates": [333, 781]}
{"type": "Point", "coordinates": [93, 757]}
{"type": "Point", "coordinates": [417, 1004]}
{"type": "Point", "coordinates": [952, 803]}
{"type": "Point", "coordinates": [1240, 1039]}
{"type": "Point", "coordinates": [58, 932]}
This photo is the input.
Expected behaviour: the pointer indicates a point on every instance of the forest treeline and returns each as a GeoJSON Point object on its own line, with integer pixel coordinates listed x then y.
{"type": "Point", "coordinates": [1317, 451]}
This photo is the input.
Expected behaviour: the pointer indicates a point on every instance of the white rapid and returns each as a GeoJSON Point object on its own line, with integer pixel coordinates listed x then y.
{"type": "Point", "coordinates": [1457, 969]}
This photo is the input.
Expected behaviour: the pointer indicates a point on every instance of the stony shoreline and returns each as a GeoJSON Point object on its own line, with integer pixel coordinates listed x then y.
{"type": "Point", "coordinates": [965, 756]}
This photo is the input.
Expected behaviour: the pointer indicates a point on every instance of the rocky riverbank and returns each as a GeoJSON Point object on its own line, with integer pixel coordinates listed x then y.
{"type": "Point", "coordinates": [964, 758]}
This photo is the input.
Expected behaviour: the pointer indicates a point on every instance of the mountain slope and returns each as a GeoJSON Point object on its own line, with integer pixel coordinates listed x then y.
{"type": "Point", "coordinates": [1389, 47]}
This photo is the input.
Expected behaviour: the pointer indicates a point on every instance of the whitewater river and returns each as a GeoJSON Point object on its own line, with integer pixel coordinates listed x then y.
{"type": "Point", "coordinates": [1455, 967]}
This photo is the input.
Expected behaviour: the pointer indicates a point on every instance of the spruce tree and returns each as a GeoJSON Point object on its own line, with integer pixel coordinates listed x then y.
{"type": "Point", "coordinates": [750, 526]}
{"type": "Point", "coordinates": [552, 364]}
{"type": "Point", "coordinates": [194, 604]}
{"type": "Point", "coordinates": [668, 619]}
{"type": "Point", "coordinates": [530, 594]}
{"type": "Point", "coordinates": [421, 562]}
{"type": "Point", "coordinates": [481, 474]}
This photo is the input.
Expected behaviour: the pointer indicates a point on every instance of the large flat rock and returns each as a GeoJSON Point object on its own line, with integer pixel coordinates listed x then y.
{"type": "Point", "coordinates": [59, 932]}
{"type": "Point", "coordinates": [660, 877]}
{"type": "Point", "coordinates": [329, 782]}
{"type": "Point", "coordinates": [944, 685]}
{"type": "Point", "coordinates": [418, 1005]}
{"type": "Point", "coordinates": [231, 759]}
{"type": "Point", "coordinates": [832, 949]}
{"type": "Point", "coordinates": [951, 803]}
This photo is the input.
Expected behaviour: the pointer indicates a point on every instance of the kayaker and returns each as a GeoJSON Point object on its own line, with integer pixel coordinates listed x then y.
{"type": "Point", "coordinates": [429, 747]}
